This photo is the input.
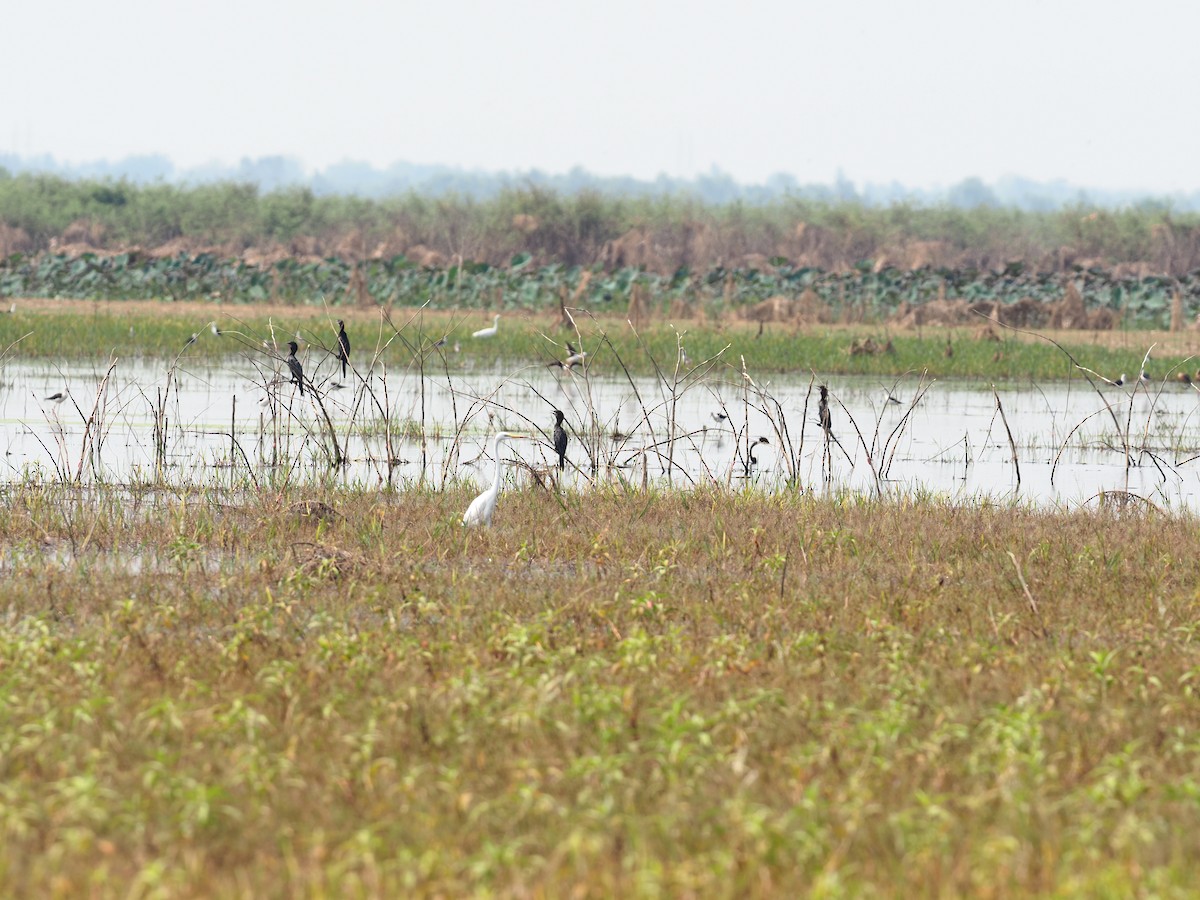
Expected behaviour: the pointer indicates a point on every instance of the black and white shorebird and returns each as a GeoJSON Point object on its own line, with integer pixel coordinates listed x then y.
{"type": "Point", "coordinates": [560, 439]}
{"type": "Point", "coordinates": [294, 366]}
{"type": "Point", "coordinates": [57, 397]}
{"type": "Point", "coordinates": [343, 346]}
{"type": "Point", "coordinates": [574, 358]}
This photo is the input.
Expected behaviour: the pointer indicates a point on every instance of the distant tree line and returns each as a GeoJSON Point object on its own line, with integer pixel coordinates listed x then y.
{"type": "Point", "coordinates": [660, 231]}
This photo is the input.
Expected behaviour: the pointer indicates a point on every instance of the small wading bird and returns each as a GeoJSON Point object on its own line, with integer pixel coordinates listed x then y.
{"type": "Point", "coordinates": [58, 397]}
{"type": "Point", "coordinates": [482, 507]}
{"type": "Point", "coordinates": [574, 358]}
{"type": "Point", "coordinates": [560, 439]}
{"type": "Point", "coordinates": [719, 417]}
{"type": "Point", "coordinates": [297, 370]}
{"type": "Point", "coordinates": [489, 332]}
{"type": "Point", "coordinates": [195, 337]}
{"type": "Point", "coordinates": [343, 346]}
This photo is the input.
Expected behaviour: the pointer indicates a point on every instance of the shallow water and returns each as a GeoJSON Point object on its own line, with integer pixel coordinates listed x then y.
{"type": "Point", "coordinates": [229, 422]}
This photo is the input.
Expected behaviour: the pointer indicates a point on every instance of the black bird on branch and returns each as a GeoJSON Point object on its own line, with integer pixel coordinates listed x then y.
{"type": "Point", "coordinates": [294, 366]}
{"type": "Point", "coordinates": [560, 439]}
{"type": "Point", "coordinates": [343, 351]}
{"type": "Point", "coordinates": [823, 415]}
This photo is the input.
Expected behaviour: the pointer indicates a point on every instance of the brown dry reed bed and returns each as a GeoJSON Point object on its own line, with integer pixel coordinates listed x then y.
{"type": "Point", "coordinates": [665, 693]}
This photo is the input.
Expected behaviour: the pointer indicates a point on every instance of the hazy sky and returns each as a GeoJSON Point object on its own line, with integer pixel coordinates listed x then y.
{"type": "Point", "coordinates": [1098, 93]}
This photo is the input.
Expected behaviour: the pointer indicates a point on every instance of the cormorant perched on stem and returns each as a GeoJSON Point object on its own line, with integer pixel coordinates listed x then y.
{"type": "Point", "coordinates": [823, 412]}
{"type": "Point", "coordinates": [343, 351]}
{"type": "Point", "coordinates": [297, 370]}
{"type": "Point", "coordinates": [752, 465]}
{"type": "Point", "coordinates": [560, 439]}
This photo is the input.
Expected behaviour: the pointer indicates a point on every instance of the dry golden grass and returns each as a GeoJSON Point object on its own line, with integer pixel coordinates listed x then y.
{"type": "Point", "coordinates": [681, 693]}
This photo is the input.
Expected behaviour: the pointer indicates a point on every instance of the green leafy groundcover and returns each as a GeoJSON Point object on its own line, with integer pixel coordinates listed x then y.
{"type": "Point", "coordinates": [133, 275]}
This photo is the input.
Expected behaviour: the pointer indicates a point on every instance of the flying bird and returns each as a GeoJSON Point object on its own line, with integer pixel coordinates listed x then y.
{"type": "Point", "coordinates": [297, 370]}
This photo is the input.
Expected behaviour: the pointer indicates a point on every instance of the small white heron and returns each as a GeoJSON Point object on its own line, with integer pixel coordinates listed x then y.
{"type": "Point", "coordinates": [482, 507]}
{"type": "Point", "coordinates": [489, 332]}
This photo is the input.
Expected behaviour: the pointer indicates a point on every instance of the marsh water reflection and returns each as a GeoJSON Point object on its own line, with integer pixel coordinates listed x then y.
{"type": "Point", "coordinates": [219, 422]}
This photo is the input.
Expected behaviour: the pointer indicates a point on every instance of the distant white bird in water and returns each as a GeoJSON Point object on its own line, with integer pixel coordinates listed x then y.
{"type": "Point", "coordinates": [482, 507]}
{"type": "Point", "coordinates": [489, 332]}
{"type": "Point", "coordinates": [58, 397]}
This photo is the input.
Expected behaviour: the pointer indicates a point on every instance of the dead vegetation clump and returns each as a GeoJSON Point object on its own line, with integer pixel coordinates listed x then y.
{"type": "Point", "coordinates": [633, 249]}
{"type": "Point", "coordinates": [15, 240]}
{"type": "Point", "coordinates": [1067, 313]}
{"type": "Point", "coordinates": [916, 255]}
{"type": "Point", "coordinates": [945, 313]}
{"type": "Point", "coordinates": [869, 347]}
{"type": "Point", "coordinates": [82, 233]}
{"type": "Point", "coordinates": [525, 223]}
{"type": "Point", "coordinates": [425, 257]}
{"type": "Point", "coordinates": [806, 309]}
{"type": "Point", "coordinates": [322, 560]}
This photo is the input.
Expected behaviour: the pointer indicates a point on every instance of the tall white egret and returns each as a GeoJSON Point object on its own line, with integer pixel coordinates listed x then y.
{"type": "Point", "coordinates": [482, 507]}
{"type": "Point", "coordinates": [489, 332]}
